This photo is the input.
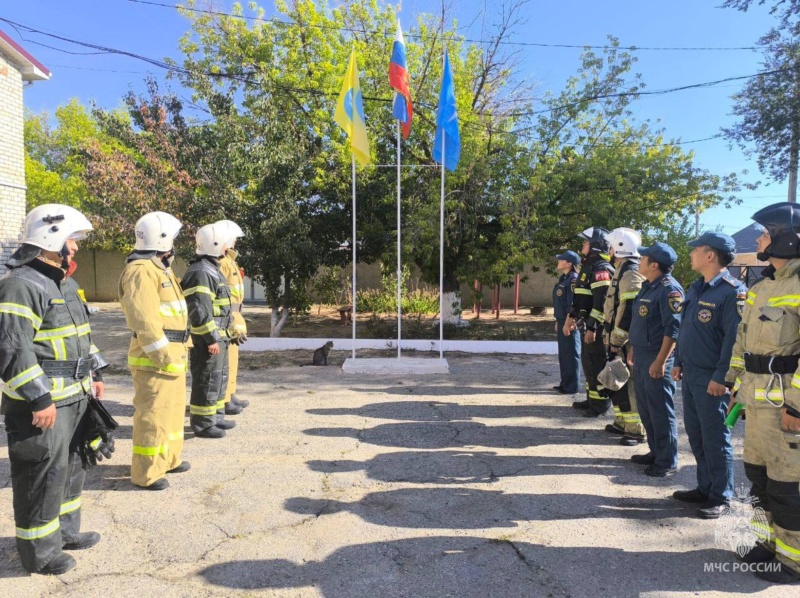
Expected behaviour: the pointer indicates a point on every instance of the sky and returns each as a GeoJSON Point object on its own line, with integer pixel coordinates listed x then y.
{"type": "Point", "coordinates": [153, 31]}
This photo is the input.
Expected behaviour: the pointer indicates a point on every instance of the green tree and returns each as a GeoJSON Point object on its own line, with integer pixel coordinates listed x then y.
{"type": "Point", "coordinates": [53, 168]}
{"type": "Point", "coordinates": [768, 112]}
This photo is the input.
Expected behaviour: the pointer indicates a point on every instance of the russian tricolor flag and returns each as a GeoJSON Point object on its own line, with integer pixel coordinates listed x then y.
{"type": "Point", "coordinates": [402, 108]}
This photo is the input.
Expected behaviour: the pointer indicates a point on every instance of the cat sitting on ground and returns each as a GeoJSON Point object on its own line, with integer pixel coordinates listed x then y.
{"type": "Point", "coordinates": [321, 354]}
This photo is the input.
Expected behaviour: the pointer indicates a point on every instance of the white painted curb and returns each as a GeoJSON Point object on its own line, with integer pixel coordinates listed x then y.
{"type": "Point", "coordinates": [346, 344]}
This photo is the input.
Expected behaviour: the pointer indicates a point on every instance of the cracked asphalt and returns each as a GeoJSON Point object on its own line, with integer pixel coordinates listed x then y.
{"type": "Point", "coordinates": [479, 483]}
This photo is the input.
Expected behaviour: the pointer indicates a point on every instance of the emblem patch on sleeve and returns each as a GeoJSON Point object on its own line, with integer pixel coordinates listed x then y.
{"type": "Point", "coordinates": [675, 301]}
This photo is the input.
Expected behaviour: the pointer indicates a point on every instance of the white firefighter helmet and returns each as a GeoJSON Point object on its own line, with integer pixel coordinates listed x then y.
{"type": "Point", "coordinates": [234, 230]}
{"type": "Point", "coordinates": [212, 239]}
{"type": "Point", "coordinates": [49, 226]}
{"type": "Point", "coordinates": [625, 242]}
{"type": "Point", "coordinates": [156, 231]}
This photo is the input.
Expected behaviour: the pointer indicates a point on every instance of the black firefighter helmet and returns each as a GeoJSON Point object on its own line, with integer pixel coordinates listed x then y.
{"type": "Point", "coordinates": [598, 239]}
{"type": "Point", "coordinates": [782, 221]}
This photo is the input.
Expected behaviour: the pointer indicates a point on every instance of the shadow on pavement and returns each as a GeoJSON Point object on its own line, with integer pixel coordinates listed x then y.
{"type": "Point", "coordinates": [9, 560]}
{"type": "Point", "coordinates": [467, 467]}
{"type": "Point", "coordinates": [469, 508]}
{"type": "Point", "coordinates": [479, 567]}
{"type": "Point", "coordinates": [434, 435]}
{"type": "Point", "coordinates": [443, 411]}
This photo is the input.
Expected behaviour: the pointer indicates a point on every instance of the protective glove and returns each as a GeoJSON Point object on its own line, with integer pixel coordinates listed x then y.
{"type": "Point", "coordinates": [239, 339]}
{"type": "Point", "coordinates": [97, 439]}
{"type": "Point", "coordinates": [100, 448]}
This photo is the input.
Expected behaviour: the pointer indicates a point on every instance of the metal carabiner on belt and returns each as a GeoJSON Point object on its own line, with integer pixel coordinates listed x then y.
{"type": "Point", "coordinates": [773, 377]}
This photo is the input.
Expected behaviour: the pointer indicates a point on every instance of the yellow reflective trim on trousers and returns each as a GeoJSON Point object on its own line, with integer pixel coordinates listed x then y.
{"type": "Point", "coordinates": [25, 376]}
{"type": "Point", "coordinates": [52, 333]}
{"type": "Point", "coordinates": [628, 296]}
{"type": "Point", "coordinates": [631, 417]}
{"type": "Point", "coordinates": [202, 409]}
{"type": "Point", "coordinates": [600, 283]}
{"type": "Point", "coordinates": [173, 309]}
{"type": "Point", "coordinates": [597, 315]}
{"type": "Point", "coordinates": [593, 394]}
{"type": "Point", "coordinates": [786, 550]}
{"type": "Point", "coordinates": [151, 451]}
{"type": "Point", "coordinates": [204, 329]}
{"type": "Point", "coordinates": [220, 404]}
{"type": "Point", "coordinates": [764, 533]}
{"type": "Point", "coordinates": [736, 384]}
{"type": "Point", "coordinates": [796, 380]}
{"type": "Point", "coordinates": [751, 296]}
{"type": "Point", "coordinates": [198, 289]}
{"type": "Point", "coordinates": [34, 533]}
{"type": "Point", "coordinates": [790, 300]}
{"type": "Point", "coordinates": [617, 411]}
{"type": "Point", "coordinates": [774, 396]}
{"type": "Point", "coordinates": [93, 349]}
{"type": "Point", "coordinates": [70, 506]}
{"type": "Point", "coordinates": [582, 291]}
{"type": "Point", "coordinates": [175, 368]}
{"type": "Point", "coordinates": [23, 311]}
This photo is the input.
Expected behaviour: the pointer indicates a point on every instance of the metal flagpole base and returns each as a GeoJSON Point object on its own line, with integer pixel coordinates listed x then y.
{"type": "Point", "coordinates": [393, 365]}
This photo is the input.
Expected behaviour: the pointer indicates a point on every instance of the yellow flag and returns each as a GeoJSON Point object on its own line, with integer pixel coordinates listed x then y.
{"type": "Point", "coordinates": [350, 113]}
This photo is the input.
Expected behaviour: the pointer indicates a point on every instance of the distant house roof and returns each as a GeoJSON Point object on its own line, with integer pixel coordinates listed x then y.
{"type": "Point", "coordinates": [746, 239]}
{"type": "Point", "coordinates": [31, 69]}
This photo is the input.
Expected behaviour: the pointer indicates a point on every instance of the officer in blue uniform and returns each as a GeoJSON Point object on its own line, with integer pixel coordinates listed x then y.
{"type": "Point", "coordinates": [569, 347]}
{"type": "Point", "coordinates": [653, 333]}
{"type": "Point", "coordinates": [710, 316]}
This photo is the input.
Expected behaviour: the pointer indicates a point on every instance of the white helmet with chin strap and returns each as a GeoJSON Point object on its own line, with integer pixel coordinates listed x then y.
{"type": "Point", "coordinates": [49, 226]}
{"type": "Point", "coordinates": [234, 230]}
{"type": "Point", "coordinates": [212, 239]}
{"type": "Point", "coordinates": [625, 242]}
{"type": "Point", "coordinates": [156, 231]}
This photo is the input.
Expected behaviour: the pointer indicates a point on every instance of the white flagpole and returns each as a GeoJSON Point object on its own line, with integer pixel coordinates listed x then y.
{"type": "Point", "coordinates": [399, 266]}
{"type": "Point", "coordinates": [354, 256]}
{"type": "Point", "coordinates": [441, 241]}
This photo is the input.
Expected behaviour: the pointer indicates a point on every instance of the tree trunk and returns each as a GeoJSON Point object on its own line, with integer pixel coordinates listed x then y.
{"type": "Point", "coordinates": [793, 147]}
{"type": "Point", "coordinates": [280, 317]}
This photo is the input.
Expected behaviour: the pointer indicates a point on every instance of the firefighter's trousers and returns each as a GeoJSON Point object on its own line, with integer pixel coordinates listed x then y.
{"type": "Point", "coordinates": [593, 359]}
{"type": "Point", "coordinates": [626, 415]}
{"type": "Point", "coordinates": [233, 371]}
{"type": "Point", "coordinates": [773, 466]}
{"type": "Point", "coordinates": [47, 478]}
{"type": "Point", "coordinates": [209, 383]}
{"type": "Point", "coordinates": [159, 403]}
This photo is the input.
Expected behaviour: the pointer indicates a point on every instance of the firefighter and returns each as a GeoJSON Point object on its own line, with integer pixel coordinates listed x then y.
{"type": "Point", "coordinates": [765, 378]}
{"type": "Point", "coordinates": [618, 311]}
{"type": "Point", "coordinates": [586, 317]}
{"type": "Point", "coordinates": [711, 315]}
{"type": "Point", "coordinates": [46, 362]}
{"type": "Point", "coordinates": [653, 333]}
{"type": "Point", "coordinates": [569, 347]}
{"type": "Point", "coordinates": [156, 314]}
{"type": "Point", "coordinates": [238, 330]}
{"type": "Point", "coordinates": [208, 297]}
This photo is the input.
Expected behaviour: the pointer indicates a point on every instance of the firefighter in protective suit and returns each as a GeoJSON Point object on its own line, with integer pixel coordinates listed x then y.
{"type": "Point", "coordinates": [208, 297]}
{"type": "Point", "coordinates": [156, 314]}
{"type": "Point", "coordinates": [586, 316]}
{"type": "Point", "coordinates": [625, 286]}
{"type": "Point", "coordinates": [766, 380]}
{"type": "Point", "coordinates": [238, 329]}
{"type": "Point", "coordinates": [46, 362]}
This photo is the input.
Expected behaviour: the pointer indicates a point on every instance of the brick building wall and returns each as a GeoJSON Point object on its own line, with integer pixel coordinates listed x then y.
{"type": "Point", "coordinates": [12, 159]}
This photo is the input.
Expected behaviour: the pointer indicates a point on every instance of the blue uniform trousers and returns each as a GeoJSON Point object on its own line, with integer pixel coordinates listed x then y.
{"type": "Point", "coordinates": [569, 358]}
{"type": "Point", "coordinates": [709, 437]}
{"type": "Point", "coordinates": [654, 398]}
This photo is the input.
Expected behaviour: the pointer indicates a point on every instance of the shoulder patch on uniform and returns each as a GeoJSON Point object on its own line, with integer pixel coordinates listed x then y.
{"type": "Point", "coordinates": [675, 302]}
{"type": "Point", "coordinates": [602, 275]}
{"type": "Point", "coordinates": [730, 280]}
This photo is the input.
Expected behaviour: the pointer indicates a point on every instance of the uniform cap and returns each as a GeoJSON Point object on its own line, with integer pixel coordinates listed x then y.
{"type": "Point", "coordinates": [661, 253]}
{"type": "Point", "coordinates": [718, 241]}
{"type": "Point", "coordinates": [570, 256]}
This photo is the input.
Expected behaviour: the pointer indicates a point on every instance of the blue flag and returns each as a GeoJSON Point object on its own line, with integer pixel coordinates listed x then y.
{"type": "Point", "coordinates": [447, 121]}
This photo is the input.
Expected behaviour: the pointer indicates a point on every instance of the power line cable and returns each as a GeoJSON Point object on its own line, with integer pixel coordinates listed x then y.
{"type": "Point", "coordinates": [276, 21]}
